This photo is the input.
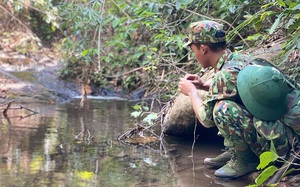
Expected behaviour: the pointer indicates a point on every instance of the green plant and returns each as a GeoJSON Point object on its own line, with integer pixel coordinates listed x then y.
{"type": "Point", "coordinates": [42, 16]}
{"type": "Point", "coordinates": [266, 164]}
{"type": "Point", "coordinates": [143, 112]}
{"type": "Point", "coordinates": [272, 17]}
{"type": "Point", "coordinates": [110, 41]}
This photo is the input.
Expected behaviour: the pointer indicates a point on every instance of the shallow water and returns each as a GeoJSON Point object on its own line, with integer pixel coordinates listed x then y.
{"type": "Point", "coordinates": [63, 145]}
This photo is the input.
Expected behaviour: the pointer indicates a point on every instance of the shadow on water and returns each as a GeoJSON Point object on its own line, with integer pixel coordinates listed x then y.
{"type": "Point", "coordinates": [66, 146]}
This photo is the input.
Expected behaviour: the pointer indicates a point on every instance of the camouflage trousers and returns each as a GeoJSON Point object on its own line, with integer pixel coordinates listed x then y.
{"type": "Point", "coordinates": [241, 130]}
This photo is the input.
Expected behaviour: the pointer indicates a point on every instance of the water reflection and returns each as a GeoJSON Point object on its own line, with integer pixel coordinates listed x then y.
{"type": "Point", "coordinates": [66, 146]}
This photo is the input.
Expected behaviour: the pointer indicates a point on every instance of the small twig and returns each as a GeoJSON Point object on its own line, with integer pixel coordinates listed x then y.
{"type": "Point", "coordinates": [21, 117]}
{"type": "Point", "coordinates": [6, 109]}
{"type": "Point", "coordinates": [21, 107]}
{"type": "Point", "coordinates": [77, 136]}
{"type": "Point", "coordinates": [14, 17]}
{"type": "Point", "coordinates": [291, 161]}
{"type": "Point", "coordinates": [121, 9]}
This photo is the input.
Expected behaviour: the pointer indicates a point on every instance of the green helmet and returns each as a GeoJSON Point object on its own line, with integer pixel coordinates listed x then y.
{"type": "Point", "coordinates": [263, 91]}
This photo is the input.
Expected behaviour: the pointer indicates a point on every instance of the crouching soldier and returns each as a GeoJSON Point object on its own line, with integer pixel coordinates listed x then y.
{"type": "Point", "coordinates": [251, 105]}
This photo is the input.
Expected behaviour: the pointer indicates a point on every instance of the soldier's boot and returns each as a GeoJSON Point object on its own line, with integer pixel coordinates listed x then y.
{"type": "Point", "coordinates": [241, 163]}
{"type": "Point", "coordinates": [220, 160]}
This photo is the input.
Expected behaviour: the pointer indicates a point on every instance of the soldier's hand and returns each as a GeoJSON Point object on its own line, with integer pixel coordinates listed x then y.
{"type": "Point", "coordinates": [195, 79]}
{"type": "Point", "coordinates": [186, 86]}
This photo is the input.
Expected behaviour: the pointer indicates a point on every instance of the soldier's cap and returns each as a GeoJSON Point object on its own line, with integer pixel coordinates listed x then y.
{"type": "Point", "coordinates": [205, 32]}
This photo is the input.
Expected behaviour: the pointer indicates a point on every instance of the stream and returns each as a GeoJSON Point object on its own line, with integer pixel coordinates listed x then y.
{"type": "Point", "coordinates": [62, 145]}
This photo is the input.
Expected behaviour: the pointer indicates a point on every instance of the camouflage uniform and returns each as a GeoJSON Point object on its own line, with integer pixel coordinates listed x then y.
{"type": "Point", "coordinates": [224, 109]}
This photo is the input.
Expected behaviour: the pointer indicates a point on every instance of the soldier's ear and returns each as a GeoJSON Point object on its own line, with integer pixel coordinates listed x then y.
{"type": "Point", "coordinates": [204, 48]}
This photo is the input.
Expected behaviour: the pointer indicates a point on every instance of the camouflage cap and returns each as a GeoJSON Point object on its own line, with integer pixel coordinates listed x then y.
{"type": "Point", "coordinates": [205, 32]}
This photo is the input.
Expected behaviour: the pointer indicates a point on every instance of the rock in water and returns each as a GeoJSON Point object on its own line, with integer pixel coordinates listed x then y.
{"type": "Point", "coordinates": [180, 118]}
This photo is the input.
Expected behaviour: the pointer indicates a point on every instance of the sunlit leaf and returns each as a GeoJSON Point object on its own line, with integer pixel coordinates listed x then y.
{"type": "Point", "coordinates": [258, 25]}
{"type": "Point", "coordinates": [154, 49]}
{"type": "Point", "coordinates": [263, 15]}
{"type": "Point", "coordinates": [84, 53]}
{"type": "Point", "coordinates": [281, 3]}
{"type": "Point", "coordinates": [254, 37]}
{"type": "Point", "coordinates": [296, 6]}
{"type": "Point", "coordinates": [148, 119]}
{"type": "Point", "coordinates": [146, 108]}
{"type": "Point", "coordinates": [272, 148]}
{"type": "Point", "coordinates": [275, 24]}
{"type": "Point", "coordinates": [137, 107]}
{"type": "Point", "coordinates": [266, 158]}
{"type": "Point", "coordinates": [135, 114]}
{"type": "Point", "coordinates": [85, 174]}
{"type": "Point", "coordinates": [36, 164]}
{"type": "Point", "coordinates": [252, 185]}
{"type": "Point", "coordinates": [267, 5]}
{"type": "Point", "coordinates": [268, 172]}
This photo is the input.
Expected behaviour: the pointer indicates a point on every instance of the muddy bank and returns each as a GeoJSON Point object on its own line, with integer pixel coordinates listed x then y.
{"type": "Point", "coordinates": [33, 79]}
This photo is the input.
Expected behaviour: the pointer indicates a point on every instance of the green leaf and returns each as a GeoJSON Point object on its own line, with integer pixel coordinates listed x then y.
{"type": "Point", "coordinates": [185, 2]}
{"type": "Point", "coordinates": [154, 49]}
{"type": "Point", "coordinates": [288, 172]}
{"type": "Point", "coordinates": [281, 3]}
{"type": "Point", "coordinates": [264, 14]}
{"type": "Point", "coordinates": [252, 185]}
{"type": "Point", "coordinates": [266, 158]}
{"type": "Point", "coordinates": [265, 175]}
{"type": "Point", "coordinates": [85, 174]}
{"type": "Point", "coordinates": [84, 53]}
{"type": "Point", "coordinates": [148, 119]}
{"type": "Point", "coordinates": [137, 107]}
{"type": "Point", "coordinates": [296, 7]}
{"type": "Point", "coordinates": [294, 26]}
{"type": "Point", "coordinates": [178, 5]}
{"type": "Point", "coordinates": [257, 25]}
{"type": "Point", "coordinates": [267, 5]}
{"type": "Point", "coordinates": [272, 148]}
{"type": "Point", "coordinates": [146, 108]}
{"type": "Point", "coordinates": [115, 23]}
{"type": "Point", "coordinates": [135, 114]}
{"type": "Point", "coordinates": [275, 24]}
{"type": "Point", "coordinates": [254, 37]}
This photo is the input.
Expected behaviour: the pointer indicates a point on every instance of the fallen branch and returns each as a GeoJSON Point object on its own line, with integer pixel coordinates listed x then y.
{"type": "Point", "coordinates": [20, 107]}
{"type": "Point", "coordinates": [6, 109]}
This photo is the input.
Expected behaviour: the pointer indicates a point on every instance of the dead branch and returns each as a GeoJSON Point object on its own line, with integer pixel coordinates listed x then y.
{"type": "Point", "coordinates": [22, 107]}
{"type": "Point", "coordinates": [6, 109]}
{"type": "Point", "coordinates": [14, 17]}
{"type": "Point", "coordinates": [131, 132]}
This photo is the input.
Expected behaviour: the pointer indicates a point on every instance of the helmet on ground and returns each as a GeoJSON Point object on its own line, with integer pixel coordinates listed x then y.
{"type": "Point", "coordinates": [205, 32]}
{"type": "Point", "coordinates": [263, 91]}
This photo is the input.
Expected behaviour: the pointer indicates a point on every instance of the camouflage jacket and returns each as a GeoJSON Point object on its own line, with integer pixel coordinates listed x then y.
{"type": "Point", "coordinates": [223, 85]}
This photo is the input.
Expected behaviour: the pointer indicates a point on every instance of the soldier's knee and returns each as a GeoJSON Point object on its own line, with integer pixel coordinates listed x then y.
{"type": "Point", "coordinates": [225, 111]}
